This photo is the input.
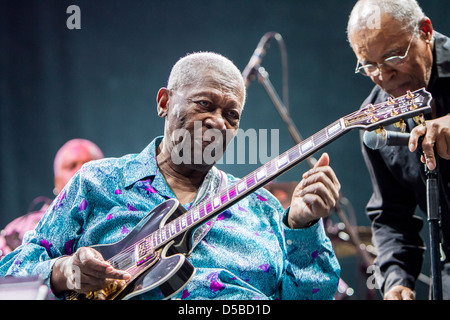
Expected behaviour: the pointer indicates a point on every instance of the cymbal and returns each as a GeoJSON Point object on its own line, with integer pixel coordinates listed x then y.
{"type": "Point", "coordinates": [344, 247]}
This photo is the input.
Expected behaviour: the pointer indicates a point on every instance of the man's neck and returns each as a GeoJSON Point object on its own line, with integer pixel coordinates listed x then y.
{"type": "Point", "coordinates": [182, 179]}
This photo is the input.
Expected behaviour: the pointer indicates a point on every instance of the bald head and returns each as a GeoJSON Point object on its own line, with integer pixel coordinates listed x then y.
{"type": "Point", "coordinates": [70, 157]}
{"type": "Point", "coordinates": [367, 15]}
{"type": "Point", "coordinates": [196, 66]}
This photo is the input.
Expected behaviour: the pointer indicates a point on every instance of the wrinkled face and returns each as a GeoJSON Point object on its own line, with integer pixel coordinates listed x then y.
{"type": "Point", "coordinates": [204, 116]}
{"type": "Point", "coordinates": [72, 158]}
{"type": "Point", "coordinates": [373, 46]}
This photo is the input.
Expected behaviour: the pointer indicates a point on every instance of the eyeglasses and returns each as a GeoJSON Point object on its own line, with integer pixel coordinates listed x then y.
{"type": "Point", "coordinates": [374, 70]}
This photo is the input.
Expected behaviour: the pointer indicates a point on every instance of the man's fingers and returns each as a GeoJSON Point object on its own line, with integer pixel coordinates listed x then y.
{"type": "Point", "coordinates": [95, 266]}
{"type": "Point", "coordinates": [416, 133]}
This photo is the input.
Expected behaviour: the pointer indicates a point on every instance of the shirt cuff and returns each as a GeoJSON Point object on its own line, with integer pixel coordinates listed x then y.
{"type": "Point", "coordinates": [306, 238]}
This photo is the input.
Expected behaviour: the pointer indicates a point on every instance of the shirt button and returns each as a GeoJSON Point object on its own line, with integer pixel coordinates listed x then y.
{"type": "Point", "coordinates": [289, 241]}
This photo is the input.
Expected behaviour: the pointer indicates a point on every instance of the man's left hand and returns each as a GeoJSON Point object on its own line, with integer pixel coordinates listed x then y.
{"type": "Point", "coordinates": [315, 195]}
{"type": "Point", "coordinates": [436, 132]}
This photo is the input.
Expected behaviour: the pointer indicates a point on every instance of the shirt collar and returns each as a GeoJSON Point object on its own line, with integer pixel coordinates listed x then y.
{"type": "Point", "coordinates": [442, 55]}
{"type": "Point", "coordinates": [142, 165]}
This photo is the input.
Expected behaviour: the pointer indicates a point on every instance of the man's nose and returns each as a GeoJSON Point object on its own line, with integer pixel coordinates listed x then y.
{"type": "Point", "coordinates": [215, 121]}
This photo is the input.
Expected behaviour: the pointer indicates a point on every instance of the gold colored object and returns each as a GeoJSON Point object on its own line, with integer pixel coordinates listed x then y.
{"type": "Point", "coordinates": [420, 119]}
{"type": "Point", "coordinates": [109, 292]}
{"type": "Point", "coordinates": [409, 94]}
{"type": "Point", "coordinates": [401, 124]}
{"type": "Point", "coordinates": [413, 107]}
{"type": "Point", "coordinates": [381, 131]}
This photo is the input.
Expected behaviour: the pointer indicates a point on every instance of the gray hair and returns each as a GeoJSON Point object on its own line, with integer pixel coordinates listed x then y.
{"type": "Point", "coordinates": [408, 12]}
{"type": "Point", "coordinates": [192, 67]}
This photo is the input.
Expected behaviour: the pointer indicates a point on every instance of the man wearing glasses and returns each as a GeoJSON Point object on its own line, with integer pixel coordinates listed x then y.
{"type": "Point", "coordinates": [397, 48]}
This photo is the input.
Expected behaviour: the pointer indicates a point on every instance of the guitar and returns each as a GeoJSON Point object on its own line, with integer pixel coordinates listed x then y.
{"type": "Point", "coordinates": [155, 251]}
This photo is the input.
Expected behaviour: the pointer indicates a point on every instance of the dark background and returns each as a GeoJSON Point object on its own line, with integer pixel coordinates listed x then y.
{"type": "Point", "coordinates": [100, 83]}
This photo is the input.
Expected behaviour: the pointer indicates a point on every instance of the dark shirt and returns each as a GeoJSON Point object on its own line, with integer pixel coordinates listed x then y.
{"type": "Point", "coordinates": [399, 186]}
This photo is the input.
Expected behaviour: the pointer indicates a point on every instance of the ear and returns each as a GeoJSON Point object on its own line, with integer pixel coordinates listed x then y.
{"type": "Point", "coordinates": [161, 99]}
{"type": "Point", "coordinates": [426, 28]}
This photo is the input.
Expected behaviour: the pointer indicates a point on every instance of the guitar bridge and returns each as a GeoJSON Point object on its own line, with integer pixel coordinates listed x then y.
{"type": "Point", "coordinates": [143, 251]}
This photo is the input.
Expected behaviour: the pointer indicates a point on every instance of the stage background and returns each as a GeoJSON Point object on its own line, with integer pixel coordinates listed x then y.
{"type": "Point", "coordinates": [100, 83]}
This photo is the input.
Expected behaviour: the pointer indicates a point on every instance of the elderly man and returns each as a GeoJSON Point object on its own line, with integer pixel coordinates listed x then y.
{"type": "Point", "coordinates": [68, 160]}
{"type": "Point", "coordinates": [397, 48]}
{"type": "Point", "coordinates": [253, 250]}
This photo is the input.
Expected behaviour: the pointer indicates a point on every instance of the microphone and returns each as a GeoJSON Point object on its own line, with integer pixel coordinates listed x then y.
{"type": "Point", "coordinates": [392, 138]}
{"type": "Point", "coordinates": [255, 60]}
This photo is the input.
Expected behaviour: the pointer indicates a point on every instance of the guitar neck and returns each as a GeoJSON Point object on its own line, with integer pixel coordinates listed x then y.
{"type": "Point", "coordinates": [258, 178]}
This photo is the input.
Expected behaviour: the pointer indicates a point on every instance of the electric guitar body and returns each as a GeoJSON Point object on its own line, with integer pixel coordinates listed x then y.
{"type": "Point", "coordinates": [160, 273]}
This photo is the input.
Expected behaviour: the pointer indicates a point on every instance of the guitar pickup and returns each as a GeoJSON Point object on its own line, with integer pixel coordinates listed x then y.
{"type": "Point", "coordinates": [143, 251]}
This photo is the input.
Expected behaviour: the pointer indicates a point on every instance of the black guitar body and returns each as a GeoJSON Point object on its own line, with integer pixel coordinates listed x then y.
{"type": "Point", "coordinates": [168, 271]}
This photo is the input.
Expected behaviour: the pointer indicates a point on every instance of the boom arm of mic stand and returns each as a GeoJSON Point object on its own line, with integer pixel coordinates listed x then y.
{"type": "Point", "coordinates": [263, 78]}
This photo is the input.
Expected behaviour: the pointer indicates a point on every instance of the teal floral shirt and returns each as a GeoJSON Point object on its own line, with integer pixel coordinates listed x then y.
{"type": "Point", "coordinates": [249, 253]}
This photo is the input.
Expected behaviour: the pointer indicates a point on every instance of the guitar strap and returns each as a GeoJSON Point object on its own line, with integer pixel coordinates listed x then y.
{"type": "Point", "coordinates": [215, 181]}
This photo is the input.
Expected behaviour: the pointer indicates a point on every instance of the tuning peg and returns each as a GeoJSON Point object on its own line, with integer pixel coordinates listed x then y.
{"type": "Point", "coordinates": [401, 124]}
{"type": "Point", "coordinates": [390, 101]}
{"type": "Point", "coordinates": [394, 112]}
{"type": "Point", "coordinates": [381, 131]}
{"type": "Point", "coordinates": [413, 107]}
{"type": "Point", "coordinates": [409, 94]}
{"type": "Point", "coordinates": [370, 107]}
{"type": "Point", "coordinates": [373, 119]}
{"type": "Point", "coordinates": [420, 119]}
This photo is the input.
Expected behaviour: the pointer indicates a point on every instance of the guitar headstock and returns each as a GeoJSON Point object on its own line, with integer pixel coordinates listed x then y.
{"type": "Point", "coordinates": [413, 104]}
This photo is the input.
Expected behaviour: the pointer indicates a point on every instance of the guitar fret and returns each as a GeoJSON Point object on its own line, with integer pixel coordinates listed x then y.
{"type": "Point", "coordinates": [250, 181]}
{"type": "Point", "coordinates": [208, 207]}
{"type": "Point", "coordinates": [241, 187]}
{"type": "Point", "coordinates": [307, 145]}
{"type": "Point", "coordinates": [216, 203]}
{"type": "Point", "coordinates": [196, 216]}
{"type": "Point", "coordinates": [282, 161]}
{"type": "Point", "coordinates": [335, 128]}
{"type": "Point", "coordinates": [261, 174]}
{"type": "Point", "coordinates": [271, 168]}
{"type": "Point", "coordinates": [294, 153]}
{"type": "Point", "coordinates": [224, 198]}
{"type": "Point", "coordinates": [320, 137]}
{"type": "Point", "coordinates": [232, 193]}
{"type": "Point", "coordinates": [201, 211]}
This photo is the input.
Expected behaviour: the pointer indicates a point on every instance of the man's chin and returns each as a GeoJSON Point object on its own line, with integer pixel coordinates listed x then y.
{"type": "Point", "coordinates": [402, 90]}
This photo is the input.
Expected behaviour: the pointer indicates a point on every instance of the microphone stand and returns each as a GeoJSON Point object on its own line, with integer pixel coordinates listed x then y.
{"type": "Point", "coordinates": [433, 221]}
{"type": "Point", "coordinates": [263, 78]}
